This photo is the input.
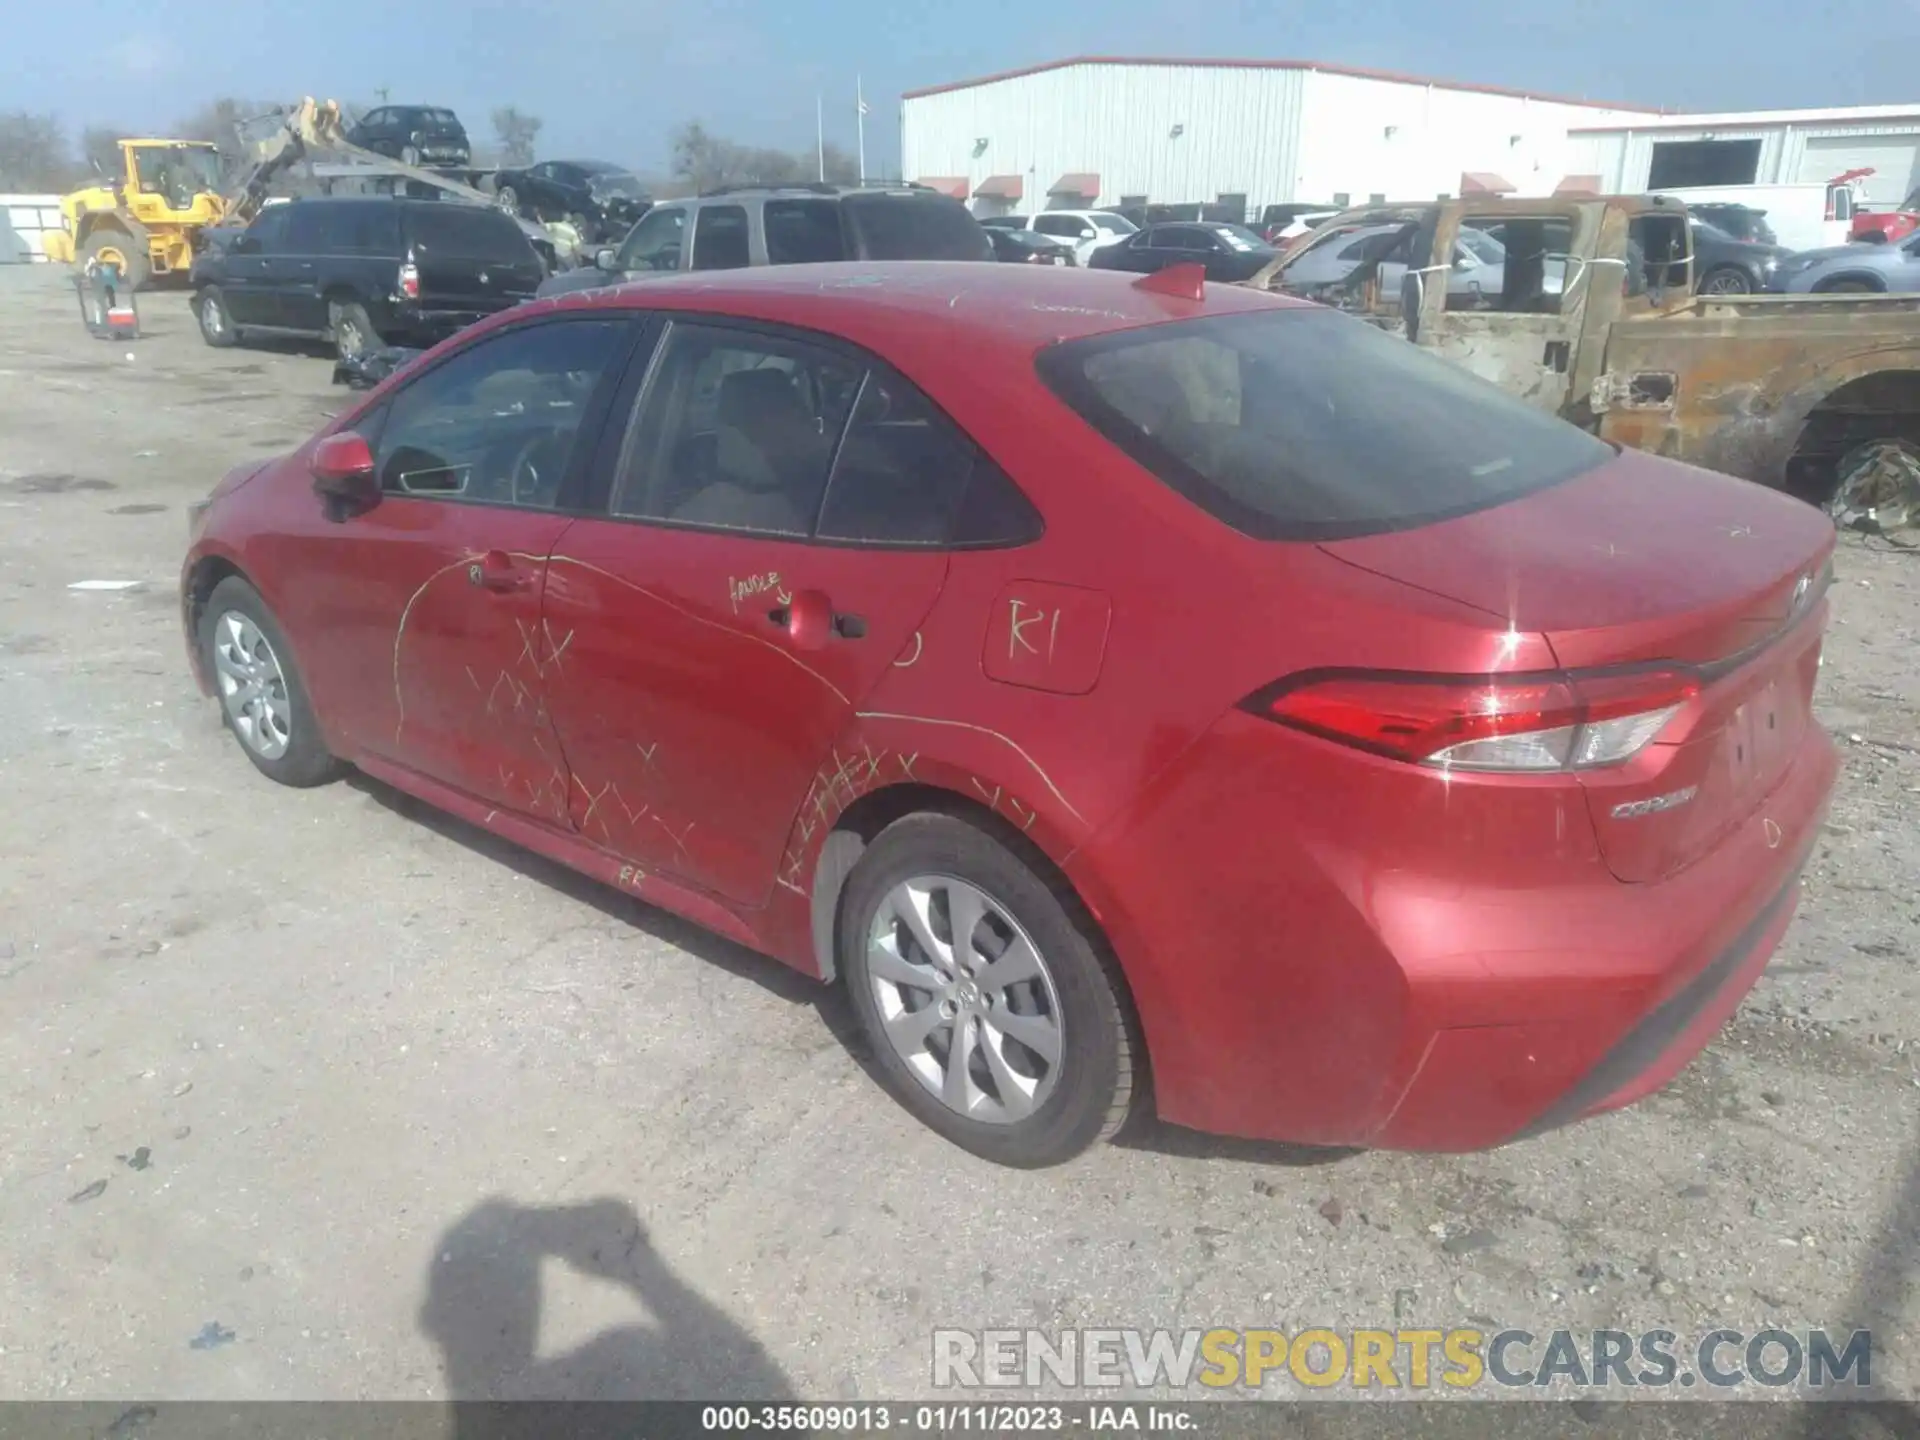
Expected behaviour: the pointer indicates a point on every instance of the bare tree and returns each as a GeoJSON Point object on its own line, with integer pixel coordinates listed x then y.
{"type": "Point", "coordinates": [100, 148]}
{"type": "Point", "coordinates": [705, 161]}
{"type": "Point", "coordinates": [842, 168]}
{"type": "Point", "coordinates": [516, 131]}
{"type": "Point", "coordinates": [219, 124]}
{"type": "Point", "coordinates": [33, 153]}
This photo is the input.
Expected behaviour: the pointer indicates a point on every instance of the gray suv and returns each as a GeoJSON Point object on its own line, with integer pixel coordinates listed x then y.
{"type": "Point", "coordinates": [784, 225]}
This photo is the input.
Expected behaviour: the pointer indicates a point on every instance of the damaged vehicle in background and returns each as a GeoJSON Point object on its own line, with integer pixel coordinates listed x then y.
{"type": "Point", "coordinates": [599, 200]}
{"type": "Point", "coordinates": [429, 135]}
{"type": "Point", "coordinates": [1817, 395]}
{"type": "Point", "coordinates": [748, 225]}
{"type": "Point", "coordinates": [1084, 230]}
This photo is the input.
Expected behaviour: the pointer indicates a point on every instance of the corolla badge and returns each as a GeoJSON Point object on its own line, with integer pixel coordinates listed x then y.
{"type": "Point", "coordinates": [1800, 589]}
{"type": "Point", "coordinates": [1653, 805]}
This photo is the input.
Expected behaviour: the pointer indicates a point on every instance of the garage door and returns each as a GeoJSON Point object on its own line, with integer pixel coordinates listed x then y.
{"type": "Point", "coordinates": [1891, 156]}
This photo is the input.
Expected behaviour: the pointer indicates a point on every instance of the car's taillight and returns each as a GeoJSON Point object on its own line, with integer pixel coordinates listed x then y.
{"type": "Point", "coordinates": [1527, 723]}
{"type": "Point", "coordinates": [410, 280]}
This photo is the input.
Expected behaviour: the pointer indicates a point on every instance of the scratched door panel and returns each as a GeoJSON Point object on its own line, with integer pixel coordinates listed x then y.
{"type": "Point", "coordinates": [691, 720]}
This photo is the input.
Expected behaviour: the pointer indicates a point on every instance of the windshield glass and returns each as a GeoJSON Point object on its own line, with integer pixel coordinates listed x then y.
{"type": "Point", "coordinates": [1305, 424]}
{"type": "Point", "coordinates": [915, 227]}
{"type": "Point", "coordinates": [178, 169]}
{"type": "Point", "coordinates": [1113, 224]}
{"type": "Point", "coordinates": [1482, 246]}
{"type": "Point", "coordinates": [1240, 237]}
{"type": "Point", "coordinates": [615, 182]}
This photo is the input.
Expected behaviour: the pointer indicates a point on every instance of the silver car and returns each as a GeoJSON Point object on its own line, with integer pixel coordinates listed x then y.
{"type": "Point", "coordinates": [1479, 261]}
{"type": "Point", "coordinates": [1860, 268]}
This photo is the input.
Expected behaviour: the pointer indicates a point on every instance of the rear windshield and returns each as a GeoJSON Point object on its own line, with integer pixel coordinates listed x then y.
{"type": "Point", "coordinates": [1303, 424]}
{"type": "Point", "coordinates": [438, 117]}
{"type": "Point", "coordinates": [468, 232]}
{"type": "Point", "coordinates": [916, 227]}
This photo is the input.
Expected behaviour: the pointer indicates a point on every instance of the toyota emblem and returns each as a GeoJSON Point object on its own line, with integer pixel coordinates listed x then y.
{"type": "Point", "coordinates": [1800, 588]}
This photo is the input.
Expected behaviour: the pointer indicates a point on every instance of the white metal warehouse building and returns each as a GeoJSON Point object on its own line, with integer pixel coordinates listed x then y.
{"type": "Point", "coordinates": [1099, 131]}
{"type": "Point", "coordinates": [1767, 147]}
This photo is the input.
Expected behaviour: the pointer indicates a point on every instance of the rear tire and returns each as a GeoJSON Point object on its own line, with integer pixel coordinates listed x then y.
{"type": "Point", "coordinates": [216, 321]}
{"type": "Point", "coordinates": [353, 332]}
{"type": "Point", "coordinates": [1726, 280]}
{"type": "Point", "coordinates": [409, 155]}
{"type": "Point", "coordinates": [263, 701]}
{"type": "Point", "coordinates": [1847, 287]}
{"type": "Point", "coordinates": [1011, 1101]}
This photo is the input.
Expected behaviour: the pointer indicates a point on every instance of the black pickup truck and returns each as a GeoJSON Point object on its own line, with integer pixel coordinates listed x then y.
{"type": "Point", "coordinates": [363, 272]}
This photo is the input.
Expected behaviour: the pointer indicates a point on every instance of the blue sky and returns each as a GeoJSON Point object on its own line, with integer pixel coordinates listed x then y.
{"type": "Point", "coordinates": [611, 78]}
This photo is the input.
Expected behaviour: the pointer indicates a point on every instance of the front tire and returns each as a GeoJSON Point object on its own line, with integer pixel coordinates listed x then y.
{"type": "Point", "coordinates": [353, 332]}
{"type": "Point", "coordinates": [216, 321]}
{"type": "Point", "coordinates": [1727, 280]}
{"type": "Point", "coordinates": [263, 700]}
{"type": "Point", "coordinates": [993, 1015]}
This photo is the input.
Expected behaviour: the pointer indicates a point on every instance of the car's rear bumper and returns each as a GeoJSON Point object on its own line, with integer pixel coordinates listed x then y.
{"type": "Point", "coordinates": [1462, 973]}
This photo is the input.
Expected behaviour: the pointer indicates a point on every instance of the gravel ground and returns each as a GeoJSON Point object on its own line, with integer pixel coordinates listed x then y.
{"type": "Point", "coordinates": [315, 1095]}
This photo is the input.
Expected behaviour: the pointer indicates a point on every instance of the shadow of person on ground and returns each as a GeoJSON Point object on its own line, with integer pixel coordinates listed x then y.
{"type": "Point", "coordinates": [483, 1306]}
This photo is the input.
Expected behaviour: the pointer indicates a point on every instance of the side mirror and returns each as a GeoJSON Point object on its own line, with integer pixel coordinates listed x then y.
{"type": "Point", "coordinates": [606, 258]}
{"type": "Point", "coordinates": [343, 474]}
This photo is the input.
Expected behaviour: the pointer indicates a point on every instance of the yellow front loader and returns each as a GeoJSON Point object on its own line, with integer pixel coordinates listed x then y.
{"type": "Point", "coordinates": [144, 219]}
{"type": "Point", "coordinates": [147, 219]}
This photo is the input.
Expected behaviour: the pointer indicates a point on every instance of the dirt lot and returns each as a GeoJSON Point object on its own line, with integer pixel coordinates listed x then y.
{"type": "Point", "coordinates": [315, 1095]}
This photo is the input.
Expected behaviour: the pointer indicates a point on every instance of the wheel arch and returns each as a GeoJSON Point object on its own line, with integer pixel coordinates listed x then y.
{"type": "Point", "coordinates": [203, 577]}
{"type": "Point", "coordinates": [94, 222]}
{"type": "Point", "coordinates": [1877, 400]}
{"type": "Point", "coordinates": [862, 821]}
{"type": "Point", "coordinates": [1871, 279]}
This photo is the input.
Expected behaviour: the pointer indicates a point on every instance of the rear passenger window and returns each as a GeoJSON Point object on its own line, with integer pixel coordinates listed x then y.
{"type": "Point", "coordinates": [803, 232]}
{"type": "Point", "coordinates": [905, 474]}
{"type": "Point", "coordinates": [720, 239]}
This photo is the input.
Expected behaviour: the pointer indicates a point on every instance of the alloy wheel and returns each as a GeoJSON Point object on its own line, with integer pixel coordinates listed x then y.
{"type": "Point", "coordinates": [252, 686]}
{"type": "Point", "coordinates": [965, 998]}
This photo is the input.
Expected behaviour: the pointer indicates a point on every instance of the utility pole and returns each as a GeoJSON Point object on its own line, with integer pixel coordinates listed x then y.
{"type": "Point", "coordinates": [860, 104]}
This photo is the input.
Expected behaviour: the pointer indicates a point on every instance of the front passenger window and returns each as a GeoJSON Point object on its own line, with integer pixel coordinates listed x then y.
{"type": "Point", "coordinates": [497, 424]}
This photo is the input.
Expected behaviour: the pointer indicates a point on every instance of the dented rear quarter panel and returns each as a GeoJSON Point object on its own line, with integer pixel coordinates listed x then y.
{"type": "Point", "coordinates": [1748, 371]}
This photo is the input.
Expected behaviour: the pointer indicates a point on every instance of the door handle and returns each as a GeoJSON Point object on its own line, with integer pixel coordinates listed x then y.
{"type": "Point", "coordinates": [494, 571]}
{"type": "Point", "coordinates": [811, 621]}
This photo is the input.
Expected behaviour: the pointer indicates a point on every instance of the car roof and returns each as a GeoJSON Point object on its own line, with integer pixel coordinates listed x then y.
{"type": "Point", "coordinates": [923, 308]}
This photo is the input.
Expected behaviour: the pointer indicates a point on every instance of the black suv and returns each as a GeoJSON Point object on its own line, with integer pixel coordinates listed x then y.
{"type": "Point", "coordinates": [413, 135]}
{"type": "Point", "coordinates": [785, 225]}
{"type": "Point", "coordinates": [363, 272]}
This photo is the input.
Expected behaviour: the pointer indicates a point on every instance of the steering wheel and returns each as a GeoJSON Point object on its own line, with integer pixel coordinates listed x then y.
{"type": "Point", "coordinates": [538, 469]}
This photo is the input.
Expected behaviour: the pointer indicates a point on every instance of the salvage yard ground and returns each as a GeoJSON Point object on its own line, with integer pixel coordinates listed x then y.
{"type": "Point", "coordinates": [316, 1094]}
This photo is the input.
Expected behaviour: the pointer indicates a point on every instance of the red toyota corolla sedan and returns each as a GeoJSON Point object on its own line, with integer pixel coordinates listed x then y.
{"type": "Point", "coordinates": [1106, 678]}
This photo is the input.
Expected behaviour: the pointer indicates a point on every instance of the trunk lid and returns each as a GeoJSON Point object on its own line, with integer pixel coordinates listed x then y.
{"type": "Point", "coordinates": [471, 258]}
{"type": "Point", "coordinates": [1643, 561]}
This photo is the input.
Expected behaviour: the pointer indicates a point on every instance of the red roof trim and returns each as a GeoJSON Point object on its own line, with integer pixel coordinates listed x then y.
{"type": "Point", "coordinates": [1084, 183]}
{"type": "Point", "coordinates": [1002, 187]}
{"type": "Point", "coordinates": [1356, 71]}
{"type": "Point", "coordinates": [953, 186]}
